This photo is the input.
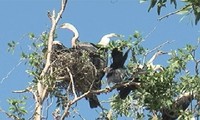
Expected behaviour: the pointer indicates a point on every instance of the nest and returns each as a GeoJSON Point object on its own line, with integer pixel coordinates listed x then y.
{"type": "Point", "coordinates": [72, 65]}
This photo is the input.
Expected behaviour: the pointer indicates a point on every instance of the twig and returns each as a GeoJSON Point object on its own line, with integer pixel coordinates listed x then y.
{"type": "Point", "coordinates": [56, 114]}
{"type": "Point", "coordinates": [150, 33]}
{"type": "Point", "coordinates": [12, 116]}
{"type": "Point", "coordinates": [106, 90]}
{"type": "Point", "coordinates": [78, 114]}
{"type": "Point", "coordinates": [28, 89]}
{"type": "Point", "coordinates": [159, 46]}
{"type": "Point", "coordinates": [74, 101]}
{"type": "Point", "coordinates": [71, 103]}
{"type": "Point", "coordinates": [48, 106]}
{"type": "Point", "coordinates": [9, 73]}
{"type": "Point", "coordinates": [154, 49]}
{"type": "Point", "coordinates": [72, 81]}
{"type": "Point", "coordinates": [175, 12]}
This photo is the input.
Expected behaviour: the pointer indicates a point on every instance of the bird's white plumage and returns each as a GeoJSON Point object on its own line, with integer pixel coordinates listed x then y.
{"type": "Point", "coordinates": [70, 27]}
{"type": "Point", "coordinates": [74, 30]}
{"type": "Point", "coordinates": [106, 39]}
{"type": "Point", "coordinates": [55, 42]}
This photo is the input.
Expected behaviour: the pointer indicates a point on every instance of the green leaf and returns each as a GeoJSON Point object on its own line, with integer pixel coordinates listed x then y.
{"type": "Point", "coordinates": [174, 2]}
{"type": "Point", "coordinates": [11, 46]}
{"type": "Point", "coordinates": [152, 4]}
{"type": "Point", "coordinates": [31, 35]}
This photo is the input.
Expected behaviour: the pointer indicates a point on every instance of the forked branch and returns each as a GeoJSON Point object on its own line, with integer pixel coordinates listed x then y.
{"type": "Point", "coordinates": [41, 88]}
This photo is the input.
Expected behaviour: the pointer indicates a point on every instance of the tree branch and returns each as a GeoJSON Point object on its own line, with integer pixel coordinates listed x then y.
{"type": "Point", "coordinates": [105, 90]}
{"type": "Point", "coordinates": [72, 82]}
{"type": "Point", "coordinates": [175, 12]}
{"type": "Point", "coordinates": [41, 88]}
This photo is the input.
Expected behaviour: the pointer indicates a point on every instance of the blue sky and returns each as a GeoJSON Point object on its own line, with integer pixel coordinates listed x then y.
{"type": "Point", "coordinates": [93, 19]}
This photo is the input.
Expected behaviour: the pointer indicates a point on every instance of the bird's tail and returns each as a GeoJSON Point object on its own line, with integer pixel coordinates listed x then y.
{"type": "Point", "coordinates": [93, 101]}
{"type": "Point", "coordinates": [124, 91]}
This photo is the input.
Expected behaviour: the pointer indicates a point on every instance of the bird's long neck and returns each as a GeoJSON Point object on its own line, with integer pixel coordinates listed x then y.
{"type": "Point", "coordinates": [75, 38]}
{"type": "Point", "coordinates": [74, 42]}
{"type": "Point", "coordinates": [153, 58]}
{"type": "Point", "coordinates": [104, 41]}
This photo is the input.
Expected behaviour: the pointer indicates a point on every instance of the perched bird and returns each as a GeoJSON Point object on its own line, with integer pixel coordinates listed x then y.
{"type": "Point", "coordinates": [117, 72]}
{"type": "Point", "coordinates": [98, 56]}
{"type": "Point", "coordinates": [181, 103]}
{"type": "Point", "coordinates": [85, 45]}
{"type": "Point", "coordinates": [150, 64]}
{"type": "Point", "coordinates": [57, 48]}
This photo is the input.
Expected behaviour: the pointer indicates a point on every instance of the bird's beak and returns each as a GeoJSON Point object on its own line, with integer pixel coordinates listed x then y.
{"type": "Point", "coordinates": [64, 25]}
{"type": "Point", "coordinates": [163, 52]}
{"type": "Point", "coordinates": [119, 36]}
{"type": "Point", "coordinates": [61, 26]}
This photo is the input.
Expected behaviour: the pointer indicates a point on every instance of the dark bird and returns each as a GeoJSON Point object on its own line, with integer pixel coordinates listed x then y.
{"type": "Point", "coordinates": [116, 73]}
{"type": "Point", "coordinates": [57, 49]}
{"type": "Point", "coordinates": [57, 45]}
{"type": "Point", "coordinates": [98, 56]}
{"type": "Point", "coordinates": [181, 103]}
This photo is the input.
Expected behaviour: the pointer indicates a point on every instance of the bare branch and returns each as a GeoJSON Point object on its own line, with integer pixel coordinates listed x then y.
{"type": "Point", "coordinates": [150, 33]}
{"type": "Point", "coordinates": [159, 46]}
{"type": "Point", "coordinates": [106, 90]}
{"type": "Point", "coordinates": [28, 89]}
{"type": "Point", "coordinates": [79, 114]}
{"type": "Point", "coordinates": [51, 34]}
{"type": "Point", "coordinates": [48, 106]}
{"type": "Point", "coordinates": [9, 73]}
{"type": "Point", "coordinates": [71, 103]}
{"type": "Point", "coordinates": [56, 114]}
{"type": "Point", "coordinates": [72, 81]}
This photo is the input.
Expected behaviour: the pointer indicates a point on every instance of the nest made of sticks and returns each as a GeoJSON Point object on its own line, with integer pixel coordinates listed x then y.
{"type": "Point", "coordinates": [72, 65]}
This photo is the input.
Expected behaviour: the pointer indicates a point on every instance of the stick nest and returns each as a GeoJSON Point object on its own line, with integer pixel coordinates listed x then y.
{"type": "Point", "coordinates": [72, 65]}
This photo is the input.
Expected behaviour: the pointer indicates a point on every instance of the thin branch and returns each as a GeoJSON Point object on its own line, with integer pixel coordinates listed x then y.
{"type": "Point", "coordinates": [150, 33]}
{"type": "Point", "coordinates": [74, 101]}
{"type": "Point", "coordinates": [175, 12]}
{"type": "Point", "coordinates": [9, 73]}
{"type": "Point", "coordinates": [48, 106]}
{"type": "Point", "coordinates": [71, 103]}
{"type": "Point", "coordinates": [155, 49]}
{"type": "Point", "coordinates": [28, 89]}
{"type": "Point", "coordinates": [12, 116]}
{"type": "Point", "coordinates": [106, 90]}
{"type": "Point", "coordinates": [72, 81]}
{"type": "Point", "coordinates": [78, 114]}
{"type": "Point", "coordinates": [56, 114]}
{"type": "Point", "coordinates": [159, 46]}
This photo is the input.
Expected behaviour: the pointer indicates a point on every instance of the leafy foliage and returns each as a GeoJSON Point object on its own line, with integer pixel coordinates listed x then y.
{"type": "Point", "coordinates": [190, 6]}
{"type": "Point", "coordinates": [11, 46]}
{"type": "Point", "coordinates": [158, 88]}
{"type": "Point", "coordinates": [17, 109]}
